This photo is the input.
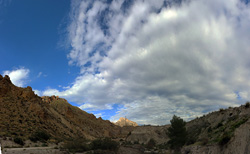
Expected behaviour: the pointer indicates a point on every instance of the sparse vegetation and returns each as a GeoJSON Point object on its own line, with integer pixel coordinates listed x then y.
{"type": "Point", "coordinates": [163, 146]}
{"type": "Point", "coordinates": [81, 145]}
{"type": "Point", "coordinates": [239, 123]}
{"type": "Point", "coordinates": [19, 141]}
{"type": "Point", "coordinates": [39, 136]}
{"type": "Point", "coordinates": [104, 144]}
{"type": "Point", "coordinates": [219, 125]}
{"type": "Point", "coordinates": [204, 141]}
{"type": "Point", "coordinates": [225, 139]}
{"type": "Point", "coordinates": [78, 145]}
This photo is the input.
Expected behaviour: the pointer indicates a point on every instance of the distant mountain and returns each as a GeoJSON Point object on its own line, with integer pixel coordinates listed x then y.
{"type": "Point", "coordinates": [125, 122]}
{"type": "Point", "coordinates": [23, 113]}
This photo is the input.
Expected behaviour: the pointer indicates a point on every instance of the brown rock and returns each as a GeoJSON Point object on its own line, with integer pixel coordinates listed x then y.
{"type": "Point", "coordinates": [29, 88]}
{"type": "Point", "coordinates": [7, 78]}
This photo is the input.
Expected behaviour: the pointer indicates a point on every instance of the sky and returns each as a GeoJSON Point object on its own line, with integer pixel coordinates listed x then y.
{"type": "Point", "coordinates": [144, 59]}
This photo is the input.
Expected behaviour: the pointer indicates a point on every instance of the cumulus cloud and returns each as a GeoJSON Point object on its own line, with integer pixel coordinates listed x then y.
{"type": "Point", "coordinates": [38, 92]}
{"type": "Point", "coordinates": [159, 59]}
{"type": "Point", "coordinates": [18, 76]}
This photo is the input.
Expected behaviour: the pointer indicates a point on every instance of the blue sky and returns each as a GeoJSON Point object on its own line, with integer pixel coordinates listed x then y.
{"type": "Point", "coordinates": [145, 60]}
{"type": "Point", "coordinates": [30, 37]}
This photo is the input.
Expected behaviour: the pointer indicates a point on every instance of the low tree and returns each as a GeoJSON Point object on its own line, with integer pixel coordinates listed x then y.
{"type": "Point", "coordinates": [177, 133]}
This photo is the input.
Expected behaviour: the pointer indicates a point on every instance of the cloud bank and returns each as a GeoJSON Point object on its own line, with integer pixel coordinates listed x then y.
{"type": "Point", "coordinates": [159, 58]}
{"type": "Point", "coordinates": [18, 76]}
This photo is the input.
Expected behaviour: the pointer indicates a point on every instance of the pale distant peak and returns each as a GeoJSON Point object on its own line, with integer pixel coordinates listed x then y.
{"type": "Point", "coordinates": [125, 122]}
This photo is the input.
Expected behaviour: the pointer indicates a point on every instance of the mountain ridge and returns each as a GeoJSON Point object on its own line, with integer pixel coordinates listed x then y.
{"type": "Point", "coordinates": [23, 113]}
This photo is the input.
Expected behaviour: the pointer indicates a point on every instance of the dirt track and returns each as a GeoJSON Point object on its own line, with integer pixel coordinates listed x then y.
{"type": "Point", "coordinates": [32, 150]}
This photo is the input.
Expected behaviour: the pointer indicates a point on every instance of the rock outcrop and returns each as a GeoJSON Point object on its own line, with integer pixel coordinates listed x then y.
{"type": "Point", "coordinates": [125, 122]}
{"type": "Point", "coordinates": [143, 134]}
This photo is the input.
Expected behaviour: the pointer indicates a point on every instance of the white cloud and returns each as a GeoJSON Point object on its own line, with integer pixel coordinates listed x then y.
{"type": "Point", "coordinates": [50, 92]}
{"type": "Point", "coordinates": [19, 76]}
{"type": "Point", "coordinates": [38, 92]}
{"type": "Point", "coordinates": [185, 60]}
{"type": "Point", "coordinates": [98, 115]}
{"type": "Point", "coordinates": [39, 74]}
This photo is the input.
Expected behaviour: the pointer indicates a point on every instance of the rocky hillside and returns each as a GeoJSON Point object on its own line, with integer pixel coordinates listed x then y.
{"type": "Point", "coordinates": [125, 122]}
{"type": "Point", "coordinates": [224, 131]}
{"type": "Point", "coordinates": [23, 113]}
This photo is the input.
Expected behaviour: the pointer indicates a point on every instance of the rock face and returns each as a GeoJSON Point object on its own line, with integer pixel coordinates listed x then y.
{"type": "Point", "coordinates": [22, 113]}
{"type": "Point", "coordinates": [125, 122]}
{"type": "Point", "coordinates": [143, 134]}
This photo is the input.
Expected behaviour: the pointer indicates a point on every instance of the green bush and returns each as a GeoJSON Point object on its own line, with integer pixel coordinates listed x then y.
{"type": "Point", "coordinates": [39, 136]}
{"type": "Point", "coordinates": [225, 139]}
{"type": "Point", "coordinates": [104, 144]}
{"type": "Point", "coordinates": [219, 125]}
{"type": "Point", "coordinates": [19, 141]}
{"type": "Point", "coordinates": [77, 145]}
